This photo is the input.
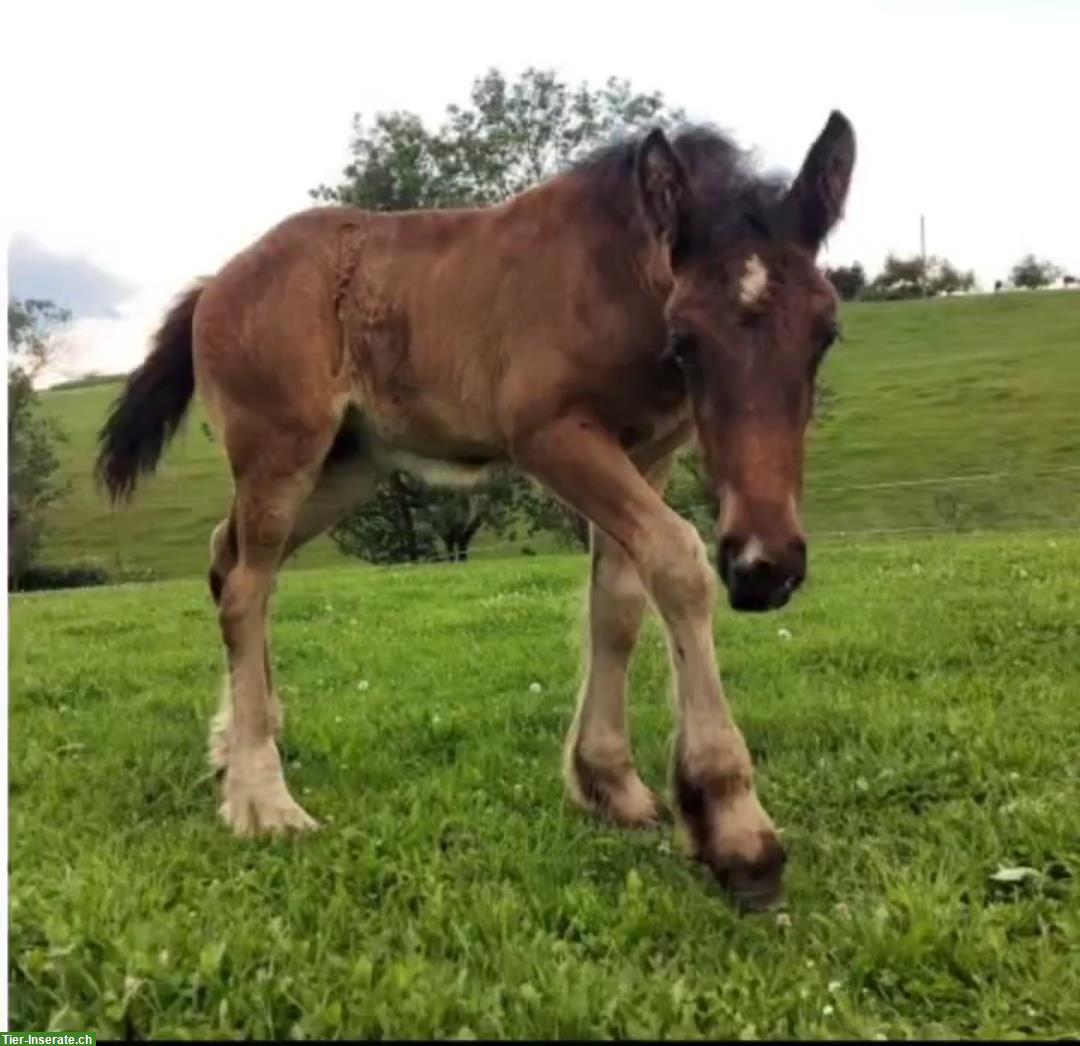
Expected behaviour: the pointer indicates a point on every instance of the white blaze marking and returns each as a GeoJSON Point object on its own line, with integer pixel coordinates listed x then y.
{"type": "Point", "coordinates": [753, 552]}
{"type": "Point", "coordinates": [755, 280]}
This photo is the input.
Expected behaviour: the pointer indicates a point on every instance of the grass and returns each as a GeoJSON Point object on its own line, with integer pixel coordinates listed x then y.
{"type": "Point", "coordinates": [916, 731]}
{"type": "Point", "coordinates": [922, 389]}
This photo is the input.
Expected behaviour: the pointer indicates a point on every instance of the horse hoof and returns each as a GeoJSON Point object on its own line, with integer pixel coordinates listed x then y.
{"type": "Point", "coordinates": [754, 885]}
{"type": "Point", "coordinates": [264, 811]}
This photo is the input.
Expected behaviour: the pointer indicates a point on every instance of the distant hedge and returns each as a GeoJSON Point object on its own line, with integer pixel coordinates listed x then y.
{"type": "Point", "coordinates": [87, 381]}
{"type": "Point", "coordinates": [38, 577]}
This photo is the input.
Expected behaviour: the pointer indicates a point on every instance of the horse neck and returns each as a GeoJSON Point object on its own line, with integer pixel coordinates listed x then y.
{"type": "Point", "coordinates": [619, 249]}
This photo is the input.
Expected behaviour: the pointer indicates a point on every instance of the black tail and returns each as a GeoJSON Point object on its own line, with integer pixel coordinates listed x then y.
{"type": "Point", "coordinates": [146, 415]}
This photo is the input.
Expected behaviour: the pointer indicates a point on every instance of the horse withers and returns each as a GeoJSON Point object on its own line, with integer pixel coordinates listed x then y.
{"type": "Point", "coordinates": [583, 331]}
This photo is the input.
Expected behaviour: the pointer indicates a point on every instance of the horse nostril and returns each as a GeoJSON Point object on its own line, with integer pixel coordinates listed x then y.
{"type": "Point", "coordinates": [795, 559]}
{"type": "Point", "coordinates": [727, 552]}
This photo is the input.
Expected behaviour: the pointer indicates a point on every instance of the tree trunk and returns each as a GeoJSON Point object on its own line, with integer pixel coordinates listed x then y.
{"type": "Point", "coordinates": [401, 497]}
{"type": "Point", "coordinates": [458, 536]}
{"type": "Point", "coordinates": [470, 531]}
{"type": "Point", "coordinates": [451, 542]}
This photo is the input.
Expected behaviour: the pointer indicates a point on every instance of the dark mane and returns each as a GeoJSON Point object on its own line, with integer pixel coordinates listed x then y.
{"type": "Point", "coordinates": [733, 198]}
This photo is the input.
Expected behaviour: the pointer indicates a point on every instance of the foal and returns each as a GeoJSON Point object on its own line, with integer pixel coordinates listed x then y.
{"type": "Point", "coordinates": [583, 330]}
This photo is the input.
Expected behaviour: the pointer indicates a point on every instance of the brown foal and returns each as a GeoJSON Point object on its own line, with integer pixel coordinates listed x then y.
{"type": "Point", "coordinates": [583, 330]}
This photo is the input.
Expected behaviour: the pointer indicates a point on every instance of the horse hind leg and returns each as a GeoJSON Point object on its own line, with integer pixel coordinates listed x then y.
{"type": "Point", "coordinates": [223, 558]}
{"type": "Point", "coordinates": [345, 481]}
{"type": "Point", "coordinates": [598, 765]}
{"type": "Point", "coordinates": [271, 489]}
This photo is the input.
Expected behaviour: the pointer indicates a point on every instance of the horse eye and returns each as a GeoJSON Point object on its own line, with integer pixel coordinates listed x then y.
{"type": "Point", "coordinates": [825, 339]}
{"type": "Point", "coordinates": [681, 346]}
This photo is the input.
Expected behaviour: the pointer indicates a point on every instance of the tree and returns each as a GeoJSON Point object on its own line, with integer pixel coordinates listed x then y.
{"type": "Point", "coordinates": [945, 278]}
{"type": "Point", "coordinates": [456, 516]}
{"type": "Point", "coordinates": [386, 528]}
{"type": "Point", "coordinates": [407, 520]}
{"type": "Point", "coordinates": [1032, 272]}
{"type": "Point", "coordinates": [33, 485]}
{"type": "Point", "coordinates": [690, 492]}
{"type": "Point", "coordinates": [509, 136]}
{"type": "Point", "coordinates": [34, 326]}
{"type": "Point", "coordinates": [849, 281]}
{"type": "Point", "coordinates": [541, 512]}
{"type": "Point", "coordinates": [916, 277]}
{"type": "Point", "coordinates": [899, 278]}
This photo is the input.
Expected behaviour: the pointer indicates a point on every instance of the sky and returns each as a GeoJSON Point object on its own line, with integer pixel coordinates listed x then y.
{"type": "Point", "coordinates": [152, 141]}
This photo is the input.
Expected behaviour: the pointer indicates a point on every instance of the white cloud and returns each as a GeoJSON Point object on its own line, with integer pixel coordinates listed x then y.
{"type": "Point", "coordinates": [85, 288]}
{"type": "Point", "coordinates": [158, 144]}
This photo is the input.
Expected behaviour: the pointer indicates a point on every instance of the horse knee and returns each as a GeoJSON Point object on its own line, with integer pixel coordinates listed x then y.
{"type": "Point", "coordinates": [617, 631]}
{"type": "Point", "coordinates": [238, 606]}
{"type": "Point", "coordinates": [683, 581]}
{"type": "Point", "coordinates": [617, 606]}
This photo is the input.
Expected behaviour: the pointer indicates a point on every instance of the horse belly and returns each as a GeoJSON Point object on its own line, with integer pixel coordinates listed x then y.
{"type": "Point", "coordinates": [439, 472]}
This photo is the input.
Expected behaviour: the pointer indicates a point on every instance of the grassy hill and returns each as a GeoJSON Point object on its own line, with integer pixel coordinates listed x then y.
{"type": "Point", "coordinates": [949, 388]}
{"type": "Point", "coordinates": [919, 391]}
{"type": "Point", "coordinates": [166, 529]}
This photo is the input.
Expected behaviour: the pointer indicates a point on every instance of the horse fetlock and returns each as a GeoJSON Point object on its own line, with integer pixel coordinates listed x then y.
{"type": "Point", "coordinates": [729, 830]}
{"type": "Point", "coordinates": [256, 799]}
{"type": "Point", "coordinates": [613, 790]}
{"type": "Point", "coordinates": [221, 730]}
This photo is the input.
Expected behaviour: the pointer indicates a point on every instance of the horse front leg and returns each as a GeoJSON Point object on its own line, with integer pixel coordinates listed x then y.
{"type": "Point", "coordinates": [713, 774]}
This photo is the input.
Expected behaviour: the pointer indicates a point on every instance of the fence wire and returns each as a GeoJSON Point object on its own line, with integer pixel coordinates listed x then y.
{"type": "Point", "coordinates": [971, 477]}
{"type": "Point", "coordinates": [1027, 525]}
{"type": "Point", "coordinates": [1020, 523]}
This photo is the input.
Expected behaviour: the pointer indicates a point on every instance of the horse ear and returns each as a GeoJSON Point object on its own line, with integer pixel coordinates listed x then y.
{"type": "Point", "coordinates": [816, 199]}
{"type": "Point", "coordinates": [663, 187]}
